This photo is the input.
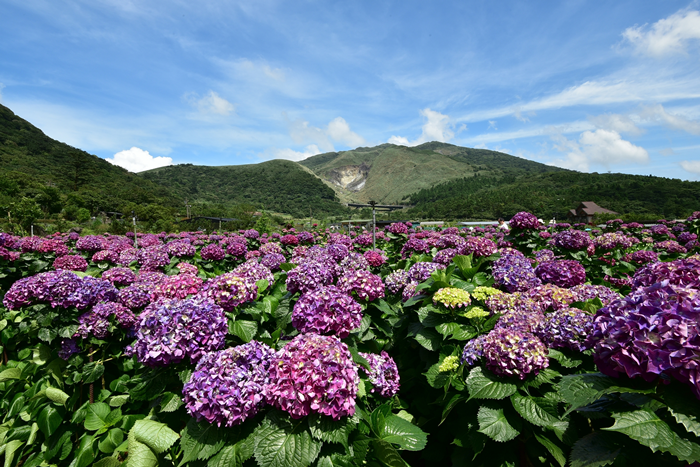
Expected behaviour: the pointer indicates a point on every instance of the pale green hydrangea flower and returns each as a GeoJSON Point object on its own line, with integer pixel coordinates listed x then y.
{"type": "Point", "coordinates": [482, 293]}
{"type": "Point", "coordinates": [475, 312]}
{"type": "Point", "coordinates": [450, 363]}
{"type": "Point", "coordinates": [452, 297]}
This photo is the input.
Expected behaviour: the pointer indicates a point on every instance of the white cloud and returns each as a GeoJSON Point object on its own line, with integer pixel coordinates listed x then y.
{"type": "Point", "coordinates": [292, 155]}
{"type": "Point", "coordinates": [213, 103]}
{"type": "Point", "coordinates": [437, 127]}
{"type": "Point", "coordinates": [667, 36]}
{"type": "Point", "coordinates": [492, 124]}
{"type": "Point", "coordinates": [518, 114]}
{"type": "Point", "coordinates": [616, 122]}
{"type": "Point", "coordinates": [657, 113]}
{"type": "Point", "coordinates": [602, 147]}
{"type": "Point", "coordinates": [691, 166]}
{"type": "Point", "coordinates": [138, 160]}
{"type": "Point", "coordinates": [339, 130]}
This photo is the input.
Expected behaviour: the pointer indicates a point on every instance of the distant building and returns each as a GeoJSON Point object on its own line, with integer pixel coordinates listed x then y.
{"type": "Point", "coordinates": [585, 211]}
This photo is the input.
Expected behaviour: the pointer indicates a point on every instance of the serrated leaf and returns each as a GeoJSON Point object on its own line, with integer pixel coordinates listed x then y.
{"type": "Point", "coordinates": [326, 429]}
{"type": "Point", "coordinates": [428, 338]}
{"type": "Point", "coordinates": [648, 429]}
{"type": "Point", "coordinates": [403, 433]}
{"type": "Point", "coordinates": [335, 460]}
{"type": "Point", "coordinates": [387, 454]}
{"type": "Point", "coordinates": [528, 408]}
{"type": "Point", "coordinates": [140, 455]}
{"type": "Point", "coordinates": [282, 447]}
{"type": "Point", "coordinates": [484, 385]}
{"type": "Point", "coordinates": [563, 360]}
{"type": "Point", "coordinates": [118, 401]}
{"type": "Point", "coordinates": [683, 406]}
{"type": "Point", "coordinates": [582, 390]}
{"type": "Point", "coordinates": [96, 416]}
{"type": "Point", "coordinates": [553, 449]}
{"type": "Point", "coordinates": [460, 332]}
{"type": "Point", "coordinates": [232, 456]}
{"type": "Point", "coordinates": [170, 402]}
{"type": "Point", "coordinates": [436, 378]}
{"type": "Point", "coordinates": [114, 438]}
{"type": "Point", "coordinates": [494, 424]}
{"type": "Point", "coordinates": [107, 462]}
{"type": "Point", "coordinates": [157, 436]}
{"type": "Point", "coordinates": [593, 450]}
{"type": "Point", "coordinates": [56, 395]}
{"type": "Point", "coordinates": [245, 330]}
{"type": "Point", "coordinates": [200, 441]}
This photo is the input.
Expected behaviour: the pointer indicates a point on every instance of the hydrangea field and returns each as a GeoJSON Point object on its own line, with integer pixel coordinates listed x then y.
{"type": "Point", "coordinates": [542, 345]}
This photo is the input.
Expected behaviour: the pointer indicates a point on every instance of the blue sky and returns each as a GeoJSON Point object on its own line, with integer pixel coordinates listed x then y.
{"type": "Point", "coordinates": [594, 86]}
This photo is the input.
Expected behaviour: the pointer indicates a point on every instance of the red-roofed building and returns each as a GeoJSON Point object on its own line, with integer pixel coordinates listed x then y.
{"type": "Point", "coordinates": [585, 212]}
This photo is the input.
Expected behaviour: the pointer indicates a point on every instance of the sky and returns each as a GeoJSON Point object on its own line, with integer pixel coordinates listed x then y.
{"type": "Point", "coordinates": [594, 86]}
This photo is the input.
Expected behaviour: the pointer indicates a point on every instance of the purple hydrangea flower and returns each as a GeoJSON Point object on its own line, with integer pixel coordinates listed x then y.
{"type": "Point", "coordinates": [230, 290]}
{"type": "Point", "coordinates": [670, 246]}
{"type": "Point", "coordinates": [375, 258]}
{"type": "Point", "coordinates": [212, 252]}
{"type": "Point", "coordinates": [119, 276]}
{"type": "Point", "coordinates": [134, 296]}
{"type": "Point", "coordinates": [642, 257]}
{"type": "Point", "coordinates": [308, 276]}
{"type": "Point", "coordinates": [255, 271]}
{"type": "Point", "coordinates": [179, 249]}
{"type": "Point", "coordinates": [683, 272]}
{"type": "Point", "coordinates": [564, 273]}
{"type": "Point", "coordinates": [337, 251]}
{"type": "Point", "coordinates": [153, 257]}
{"type": "Point", "coordinates": [314, 374]}
{"type": "Point", "coordinates": [383, 374]}
{"type": "Point", "coordinates": [179, 286]}
{"type": "Point", "coordinates": [612, 240]}
{"type": "Point", "coordinates": [90, 243]}
{"type": "Point", "coordinates": [327, 310]}
{"type": "Point", "coordinates": [273, 261]}
{"type": "Point", "coordinates": [572, 240]}
{"type": "Point", "coordinates": [366, 285]}
{"type": "Point", "coordinates": [71, 263]}
{"type": "Point", "coordinates": [524, 220]}
{"type": "Point", "coordinates": [448, 240]}
{"type": "Point", "coordinates": [551, 296]}
{"type": "Point", "coordinates": [544, 255]}
{"type": "Point", "coordinates": [414, 245]}
{"type": "Point", "coordinates": [508, 352]}
{"type": "Point", "coordinates": [420, 272]}
{"type": "Point", "coordinates": [565, 328]}
{"type": "Point", "coordinates": [229, 386]}
{"type": "Point", "coordinates": [354, 261]}
{"type": "Point", "coordinates": [396, 281]}
{"type": "Point", "coordinates": [109, 256]}
{"type": "Point", "coordinates": [172, 330]}
{"type": "Point", "coordinates": [97, 322]}
{"type": "Point", "coordinates": [477, 246]}
{"type": "Point", "coordinates": [398, 228]}
{"type": "Point", "coordinates": [237, 250]}
{"type": "Point", "coordinates": [514, 272]}
{"type": "Point", "coordinates": [69, 347]}
{"type": "Point", "coordinates": [445, 256]}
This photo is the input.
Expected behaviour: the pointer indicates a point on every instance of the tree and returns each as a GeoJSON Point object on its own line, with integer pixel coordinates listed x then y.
{"type": "Point", "coordinates": [26, 211]}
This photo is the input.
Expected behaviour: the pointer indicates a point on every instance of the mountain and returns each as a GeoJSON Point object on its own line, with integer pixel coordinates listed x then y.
{"type": "Point", "coordinates": [390, 174]}
{"type": "Point", "coordinates": [32, 163]}
{"type": "Point", "coordinates": [278, 185]}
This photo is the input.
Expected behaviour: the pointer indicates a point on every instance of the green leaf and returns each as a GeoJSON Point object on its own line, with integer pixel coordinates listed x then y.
{"type": "Point", "coordinates": [49, 420]}
{"type": "Point", "coordinates": [582, 390]}
{"type": "Point", "coordinates": [200, 441]}
{"type": "Point", "coordinates": [528, 408]}
{"type": "Point", "coordinates": [10, 450]}
{"type": "Point", "coordinates": [277, 446]}
{"type": "Point", "coordinates": [46, 334]}
{"type": "Point", "coordinates": [245, 330]}
{"type": "Point", "coordinates": [233, 455]}
{"type": "Point", "coordinates": [593, 450]}
{"type": "Point", "coordinates": [170, 402]}
{"type": "Point", "coordinates": [460, 332]}
{"type": "Point", "coordinates": [56, 395]}
{"type": "Point", "coordinates": [648, 429]}
{"type": "Point", "coordinates": [140, 455]}
{"type": "Point", "coordinates": [157, 436]}
{"type": "Point", "coordinates": [428, 338]}
{"type": "Point", "coordinates": [287, 266]}
{"type": "Point", "coordinates": [484, 385]}
{"type": "Point", "coordinates": [553, 449]}
{"type": "Point", "coordinates": [683, 406]}
{"type": "Point", "coordinates": [326, 429]}
{"type": "Point", "coordinates": [262, 285]}
{"type": "Point", "coordinates": [493, 423]}
{"type": "Point", "coordinates": [335, 460]}
{"type": "Point", "coordinates": [436, 378]}
{"type": "Point", "coordinates": [92, 372]}
{"type": "Point", "coordinates": [386, 453]}
{"type": "Point", "coordinates": [85, 455]}
{"type": "Point", "coordinates": [114, 438]}
{"type": "Point", "coordinates": [96, 416]}
{"type": "Point", "coordinates": [118, 401]}
{"type": "Point", "coordinates": [107, 462]}
{"type": "Point", "coordinates": [10, 373]}
{"type": "Point", "coordinates": [563, 360]}
{"type": "Point", "coordinates": [403, 433]}
{"type": "Point", "coordinates": [41, 354]}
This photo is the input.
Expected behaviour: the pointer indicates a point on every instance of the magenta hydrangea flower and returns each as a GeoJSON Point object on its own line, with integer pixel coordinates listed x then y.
{"type": "Point", "coordinates": [153, 257]}
{"type": "Point", "coordinates": [70, 263]}
{"type": "Point", "coordinates": [187, 268]}
{"type": "Point", "coordinates": [366, 285]}
{"type": "Point", "coordinates": [236, 249]}
{"type": "Point", "coordinates": [109, 256]}
{"type": "Point", "coordinates": [179, 249]}
{"type": "Point", "coordinates": [134, 296]}
{"type": "Point", "coordinates": [445, 256]}
{"type": "Point", "coordinates": [363, 240]}
{"type": "Point", "coordinates": [251, 234]}
{"type": "Point", "coordinates": [119, 276]}
{"type": "Point", "coordinates": [414, 245]}
{"type": "Point", "coordinates": [524, 220]}
{"type": "Point", "coordinates": [585, 292]}
{"type": "Point", "coordinates": [652, 331]}
{"type": "Point", "coordinates": [642, 257]}
{"type": "Point", "coordinates": [98, 321]}
{"type": "Point", "coordinates": [314, 374]}
{"type": "Point", "coordinates": [670, 246]}
{"type": "Point", "coordinates": [383, 374]}
{"type": "Point", "coordinates": [477, 246]}
{"type": "Point", "coordinates": [612, 240]}
{"type": "Point", "coordinates": [551, 296]}
{"type": "Point", "coordinates": [564, 273]}
{"type": "Point", "coordinates": [398, 228]}
{"type": "Point", "coordinates": [229, 290]}
{"type": "Point", "coordinates": [179, 286]}
{"type": "Point", "coordinates": [375, 258]}
{"type": "Point", "coordinates": [354, 261]}
{"type": "Point", "coordinates": [308, 276]}
{"type": "Point", "coordinates": [273, 261]}
{"type": "Point", "coordinates": [229, 386]}
{"type": "Point", "coordinates": [212, 252]}
{"type": "Point", "coordinates": [420, 272]}
{"type": "Point", "coordinates": [327, 310]}
{"type": "Point", "coordinates": [449, 240]}
{"type": "Point", "coordinates": [173, 330]}
{"type": "Point", "coordinates": [128, 256]}
{"type": "Point", "coordinates": [255, 271]}
{"type": "Point", "coordinates": [289, 240]}
{"type": "Point", "coordinates": [683, 272]}
{"type": "Point", "coordinates": [337, 251]}
{"type": "Point", "coordinates": [90, 243]}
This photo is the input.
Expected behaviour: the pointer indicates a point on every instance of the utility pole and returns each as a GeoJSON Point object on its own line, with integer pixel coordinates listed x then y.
{"type": "Point", "coordinates": [136, 241]}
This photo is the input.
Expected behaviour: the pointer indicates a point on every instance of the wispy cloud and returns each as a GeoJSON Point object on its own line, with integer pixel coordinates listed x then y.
{"type": "Point", "coordinates": [657, 113]}
{"type": "Point", "coordinates": [211, 104]}
{"type": "Point", "coordinates": [601, 147]}
{"type": "Point", "coordinates": [669, 36]}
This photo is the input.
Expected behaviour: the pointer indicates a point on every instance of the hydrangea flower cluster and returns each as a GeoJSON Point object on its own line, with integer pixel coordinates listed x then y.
{"type": "Point", "coordinates": [612, 240]}
{"type": "Point", "coordinates": [445, 256]}
{"type": "Point", "coordinates": [327, 310]}
{"type": "Point", "coordinates": [229, 290]}
{"type": "Point", "coordinates": [271, 248]}
{"type": "Point", "coordinates": [452, 297]}
{"type": "Point", "coordinates": [508, 353]}
{"type": "Point", "coordinates": [273, 261]}
{"type": "Point", "coordinates": [375, 258]}
{"type": "Point", "coordinates": [514, 272]}
{"type": "Point", "coordinates": [255, 271]}
{"type": "Point", "coordinates": [172, 330]}
{"type": "Point", "coordinates": [383, 374]}
{"type": "Point", "coordinates": [314, 374]}
{"type": "Point", "coordinates": [181, 249]}
{"type": "Point", "coordinates": [90, 243]}
{"type": "Point", "coordinates": [524, 220]}
{"type": "Point", "coordinates": [482, 293]}
{"type": "Point", "coordinates": [354, 261]}
{"type": "Point", "coordinates": [642, 257]}
{"type": "Point", "coordinates": [153, 257]}
{"type": "Point", "coordinates": [398, 228]}
{"type": "Point", "coordinates": [229, 386]}
{"type": "Point", "coordinates": [289, 240]}
{"type": "Point", "coordinates": [412, 246]}
{"type": "Point", "coordinates": [565, 328]}
{"type": "Point", "coordinates": [363, 240]}
{"type": "Point", "coordinates": [551, 296]}
{"type": "Point", "coordinates": [585, 292]}
{"type": "Point", "coordinates": [366, 285]}
{"type": "Point", "coordinates": [71, 263]}
{"type": "Point", "coordinates": [179, 286]}
{"type": "Point", "coordinates": [108, 256]}
{"type": "Point", "coordinates": [652, 331]}
{"type": "Point", "coordinates": [683, 272]}
{"type": "Point", "coordinates": [544, 255]}
{"type": "Point", "coordinates": [477, 246]}
{"type": "Point", "coordinates": [97, 322]}
{"type": "Point", "coordinates": [187, 268]}
{"type": "Point", "coordinates": [337, 251]}
{"type": "Point", "coordinates": [564, 273]}
{"type": "Point", "coordinates": [396, 281]}
{"type": "Point", "coordinates": [308, 276]}
{"type": "Point", "coordinates": [670, 246]}
{"type": "Point", "coordinates": [236, 249]}
{"type": "Point", "coordinates": [421, 271]}
{"type": "Point", "coordinates": [134, 296]}
{"type": "Point", "coordinates": [448, 240]}
{"type": "Point", "coordinates": [212, 252]}
{"type": "Point", "coordinates": [572, 240]}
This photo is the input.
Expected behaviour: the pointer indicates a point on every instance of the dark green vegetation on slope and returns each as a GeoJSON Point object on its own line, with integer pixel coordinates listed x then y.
{"type": "Point", "coordinates": [390, 173]}
{"type": "Point", "coordinates": [553, 194]}
{"type": "Point", "coordinates": [278, 185]}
